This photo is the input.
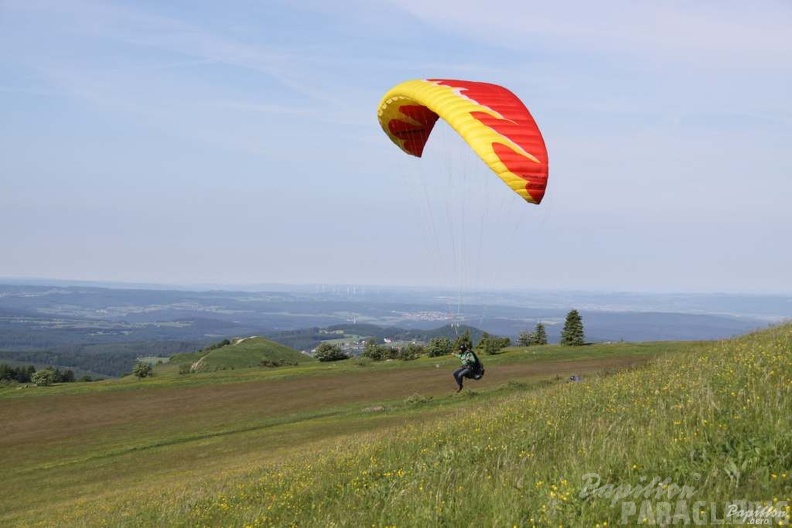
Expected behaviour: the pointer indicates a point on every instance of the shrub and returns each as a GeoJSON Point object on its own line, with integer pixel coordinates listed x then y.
{"type": "Point", "coordinates": [410, 352]}
{"type": "Point", "coordinates": [277, 363]}
{"type": "Point", "coordinates": [439, 346]}
{"type": "Point", "coordinates": [142, 370]}
{"type": "Point", "coordinates": [492, 344]}
{"type": "Point", "coordinates": [374, 351]}
{"type": "Point", "coordinates": [328, 352]}
{"type": "Point", "coordinates": [363, 361]}
{"type": "Point", "coordinates": [43, 378]}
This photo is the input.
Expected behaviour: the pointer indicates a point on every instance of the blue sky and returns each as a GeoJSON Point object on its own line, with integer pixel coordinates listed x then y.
{"type": "Point", "coordinates": [237, 143]}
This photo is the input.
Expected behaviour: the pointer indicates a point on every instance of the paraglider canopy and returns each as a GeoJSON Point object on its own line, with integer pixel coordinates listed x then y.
{"type": "Point", "coordinates": [490, 118]}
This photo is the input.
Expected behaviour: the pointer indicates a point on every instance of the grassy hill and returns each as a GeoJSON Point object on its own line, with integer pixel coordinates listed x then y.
{"type": "Point", "coordinates": [651, 429]}
{"type": "Point", "coordinates": [240, 354]}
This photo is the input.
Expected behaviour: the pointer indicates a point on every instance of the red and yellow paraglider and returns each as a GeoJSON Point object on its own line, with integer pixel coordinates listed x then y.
{"type": "Point", "coordinates": [490, 118]}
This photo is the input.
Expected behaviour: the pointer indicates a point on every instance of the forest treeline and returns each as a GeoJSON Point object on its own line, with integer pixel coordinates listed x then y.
{"type": "Point", "coordinates": [110, 359]}
{"type": "Point", "coordinates": [29, 374]}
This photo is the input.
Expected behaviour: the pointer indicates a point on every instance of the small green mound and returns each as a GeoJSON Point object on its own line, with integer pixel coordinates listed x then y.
{"type": "Point", "coordinates": [240, 354]}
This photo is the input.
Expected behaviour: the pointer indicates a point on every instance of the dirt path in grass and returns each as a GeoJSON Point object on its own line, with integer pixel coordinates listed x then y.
{"type": "Point", "coordinates": [75, 418]}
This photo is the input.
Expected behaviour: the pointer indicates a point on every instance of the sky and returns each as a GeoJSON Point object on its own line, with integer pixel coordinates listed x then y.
{"type": "Point", "coordinates": [236, 143]}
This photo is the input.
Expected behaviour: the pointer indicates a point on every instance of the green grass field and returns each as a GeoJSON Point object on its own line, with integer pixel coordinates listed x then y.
{"type": "Point", "coordinates": [390, 444]}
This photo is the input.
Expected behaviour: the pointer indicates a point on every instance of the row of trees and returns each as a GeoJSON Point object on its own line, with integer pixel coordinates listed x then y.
{"type": "Point", "coordinates": [537, 337]}
{"type": "Point", "coordinates": [101, 359]}
{"type": "Point", "coordinates": [372, 350]}
{"type": "Point", "coordinates": [19, 374]}
{"type": "Point", "coordinates": [571, 335]}
{"type": "Point", "coordinates": [43, 377]}
{"type": "Point", "coordinates": [438, 346]}
{"type": "Point", "coordinates": [50, 375]}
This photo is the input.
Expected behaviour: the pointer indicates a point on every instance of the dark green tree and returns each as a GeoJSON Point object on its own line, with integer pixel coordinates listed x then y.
{"type": "Point", "coordinates": [464, 339]}
{"type": "Point", "coordinates": [539, 335]}
{"type": "Point", "coordinates": [373, 350]}
{"type": "Point", "coordinates": [491, 344]}
{"type": "Point", "coordinates": [439, 346]}
{"type": "Point", "coordinates": [19, 374]}
{"type": "Point", "coordinates": [410, 352]}
{"type": "Point", "coordinates": [392, 352]}
{"type": "Point", "coordinates": [67, 376]}
{"type": "Point", "coordinates": [329, 352]}
{"type": "Point", "coordinates": [572, 333]}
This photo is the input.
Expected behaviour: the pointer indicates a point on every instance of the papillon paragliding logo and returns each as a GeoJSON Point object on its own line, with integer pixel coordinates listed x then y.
{"type": "Point", "coordinates": [490, 118]}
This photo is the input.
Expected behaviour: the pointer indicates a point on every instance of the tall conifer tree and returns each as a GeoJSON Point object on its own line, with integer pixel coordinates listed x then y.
{"type": "Point", "coordinates": [572, 334]}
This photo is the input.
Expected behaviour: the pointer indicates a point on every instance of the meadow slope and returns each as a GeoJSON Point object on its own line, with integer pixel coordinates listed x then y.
{"type": "Point", "coordinates": [700, 427]}
{"type": "Point", "coordinates": [679, 441]}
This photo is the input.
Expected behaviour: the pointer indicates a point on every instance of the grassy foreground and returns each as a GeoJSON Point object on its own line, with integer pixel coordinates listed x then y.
{"type": "Point", "coordinates": [697, 439]}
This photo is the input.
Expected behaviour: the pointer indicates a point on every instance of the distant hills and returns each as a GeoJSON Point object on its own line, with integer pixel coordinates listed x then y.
{"type": "Point", "coordinates": [102, 330]}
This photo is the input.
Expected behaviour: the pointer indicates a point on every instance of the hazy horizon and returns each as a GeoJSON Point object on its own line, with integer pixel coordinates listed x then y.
{"type": "Point", "coordinates": [189, 286]}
